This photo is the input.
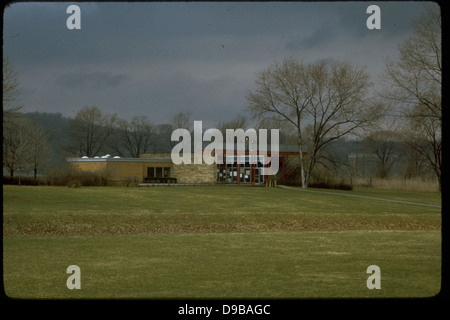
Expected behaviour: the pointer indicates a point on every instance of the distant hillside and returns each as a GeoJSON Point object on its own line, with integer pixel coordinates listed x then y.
{"type": "Point", "coordinates": [56, 125]}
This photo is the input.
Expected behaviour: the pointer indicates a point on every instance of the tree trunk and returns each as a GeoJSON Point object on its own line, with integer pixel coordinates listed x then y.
{"type": "Point", "coordinates": [302, 166]}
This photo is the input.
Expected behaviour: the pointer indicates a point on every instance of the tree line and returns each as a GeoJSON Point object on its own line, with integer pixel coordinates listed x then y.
{"type": "Point", "coordinates": [316, 106]}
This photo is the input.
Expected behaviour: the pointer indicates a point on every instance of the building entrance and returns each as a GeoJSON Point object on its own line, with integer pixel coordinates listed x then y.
{"type": "Point", "coordinates": [244, 173]}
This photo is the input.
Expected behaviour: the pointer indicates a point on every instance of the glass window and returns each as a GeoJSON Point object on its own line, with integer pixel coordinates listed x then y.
{"type": "Point", "coordinates": [166, 172]}
{"type": "Point", "coordinates": [158, 172]}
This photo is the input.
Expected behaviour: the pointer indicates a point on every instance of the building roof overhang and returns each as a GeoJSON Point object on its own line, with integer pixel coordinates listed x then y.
{"type": "Point", "coordinates": [140, 160]}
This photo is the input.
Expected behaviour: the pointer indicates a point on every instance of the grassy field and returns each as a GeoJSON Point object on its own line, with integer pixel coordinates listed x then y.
{"type": "Point", "coordinates": [218, 242]}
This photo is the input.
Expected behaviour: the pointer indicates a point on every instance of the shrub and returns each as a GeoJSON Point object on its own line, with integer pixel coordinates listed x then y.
{"type": "Point", "coordinates": [26, 181]}
{"type": "Point", "coordinates": [331, 185]}
{"type": "Point", "coordinates": [67, 176]}
{"type": "Point", "coordinates": [74, 184]}
{"type": "Point", "coordinates": [131, 181]}
{"type": "Point", "coordinates": [322, 178]}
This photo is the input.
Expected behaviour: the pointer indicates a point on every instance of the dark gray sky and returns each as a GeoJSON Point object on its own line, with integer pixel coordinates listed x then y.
{"type": "Point", "coordinates": [156, 59]}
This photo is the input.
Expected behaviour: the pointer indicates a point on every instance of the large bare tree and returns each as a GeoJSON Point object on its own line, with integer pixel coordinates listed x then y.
{"type": "Point", "coordinates": [133, 137]}
{"type": "Point", "coordinates": [416, 77]}
{"type": "Point", "coordinates": [331, 98]}
{"type": "Point", "coordinates": [413, 83]}
{"type": "Point", "coordinates": [90, 131]}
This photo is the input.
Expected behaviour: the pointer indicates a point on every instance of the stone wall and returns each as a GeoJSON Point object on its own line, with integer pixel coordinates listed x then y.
{"type": "Point", "coordinates": [188, 173]}
{"type": "Point", "coordinates": [195, 173]}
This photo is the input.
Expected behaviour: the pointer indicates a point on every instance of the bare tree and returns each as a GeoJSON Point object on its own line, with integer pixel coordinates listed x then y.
{"type": "Point", "coordinates": [16, 144]}
{"type": "Point", "coordinates": [238, 122]}
{"type": "Point", "coordinates": [133, 138]}
{"type": "Point", "coordinates": [10, 92]}
{"type": "Point", "coordinates": [24, 143]}
{"type": "Point", "coordinates": [424, 136]}
{"type": "Point", "coordinates": [416, 78]}
{"type": "Point", "coordinates": [90, 130]}
{"type": "Point", "coordinates": [384, 145]}
{"type": "Point", "coordinates": [38, 148]}
{"type": "Point", "coordinates": [333, 99]}
{"type": "Point", "coordinates": [414, 83]}
{"type": "Point", "coordinates": [181, 120]}
{"type": "Point", "coordinates": [281, 94]}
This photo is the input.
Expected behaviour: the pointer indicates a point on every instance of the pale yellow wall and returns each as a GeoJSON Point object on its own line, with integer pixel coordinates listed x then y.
{"type": "Point", "coordinates": [135, 170]}
{"type": "Point", "coordinates": [126, 170]}
{"type": "Point", "coordinates": [88, 166]}
{"type": "Point", "coordinates": [117, 171]}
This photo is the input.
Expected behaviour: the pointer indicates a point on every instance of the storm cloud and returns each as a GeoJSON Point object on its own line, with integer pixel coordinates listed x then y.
{"type": "Point", "coordinates": [156, 59]}
{"type": "Point", "coordinates": [97, 80]}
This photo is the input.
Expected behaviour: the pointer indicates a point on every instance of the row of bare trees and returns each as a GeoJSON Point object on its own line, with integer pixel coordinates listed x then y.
{"type": "Point", "coordinates": [25, 144]}
{"type": "Point", "coordinates": [93, 132]}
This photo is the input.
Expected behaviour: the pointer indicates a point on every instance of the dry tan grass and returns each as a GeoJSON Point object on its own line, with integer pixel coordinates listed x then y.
{"type": "Point", "coordinates": [115, 210]}
{"type": "Point", "coordinates": [180, 223]}
{"type": "Point", "coordinates": [415, 184]}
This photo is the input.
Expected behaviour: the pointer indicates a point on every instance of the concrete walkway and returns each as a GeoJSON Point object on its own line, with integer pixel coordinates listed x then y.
{"type": "Point", "coordinates": [363, 197]}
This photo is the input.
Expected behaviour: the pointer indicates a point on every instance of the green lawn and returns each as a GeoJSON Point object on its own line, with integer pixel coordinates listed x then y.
{"type": "Point", "coordinates": [218, 242]}
{"type": "Point", "coordinates": [109, 210]}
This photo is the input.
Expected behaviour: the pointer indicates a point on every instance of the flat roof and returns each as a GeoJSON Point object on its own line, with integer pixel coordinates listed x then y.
{"type": "Point", "coordinates": [149, 160]}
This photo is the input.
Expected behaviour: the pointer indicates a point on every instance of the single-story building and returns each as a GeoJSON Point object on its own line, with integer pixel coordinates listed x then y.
{"type": "Point", "coordinates": [159, 168]}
